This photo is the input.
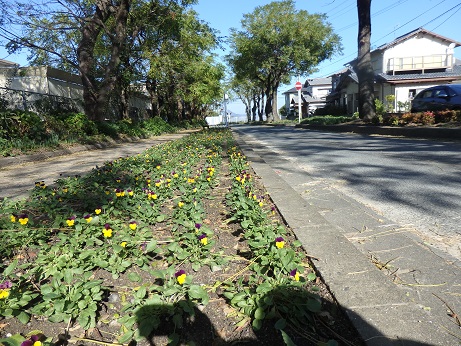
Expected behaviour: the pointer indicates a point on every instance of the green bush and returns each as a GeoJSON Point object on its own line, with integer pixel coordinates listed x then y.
{"type": "Point", "coordinates": [327, 120]}
{"type": "Point", "coordinates": [79, 124]}
{"type": "Point", "coordinates": [156, 126]}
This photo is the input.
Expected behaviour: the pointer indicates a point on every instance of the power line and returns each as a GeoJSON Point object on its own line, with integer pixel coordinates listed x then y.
{"type": "Point", "coordinates": [408, 22]}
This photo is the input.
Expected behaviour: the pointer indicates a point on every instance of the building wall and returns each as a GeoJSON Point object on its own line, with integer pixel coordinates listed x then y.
{"type": "Point", "coordinates": [416, 46]}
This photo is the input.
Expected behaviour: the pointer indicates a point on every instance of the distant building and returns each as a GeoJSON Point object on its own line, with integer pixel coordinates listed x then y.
{"type": "Point", "coordinates": [313, 96]}
{"type": "Point", "coordinates": [412, 62]}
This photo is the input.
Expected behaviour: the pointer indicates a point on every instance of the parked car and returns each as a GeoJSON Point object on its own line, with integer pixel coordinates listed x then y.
{"type": "Point", "coordinates": [437, 98]}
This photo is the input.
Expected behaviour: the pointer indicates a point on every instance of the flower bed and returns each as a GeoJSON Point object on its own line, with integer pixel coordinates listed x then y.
{"type": "Point", "coordinates": [150, 247]}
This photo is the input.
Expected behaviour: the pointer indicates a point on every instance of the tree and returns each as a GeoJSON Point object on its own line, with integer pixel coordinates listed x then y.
{"type": "Point", "coordinates": [364, 68]}
{"type": "Point", "coordinates": [104, 42]}
{"type": "Point", "coordinates": [183, 78]}
{"type": "Point", "coordinates": [277, 42]}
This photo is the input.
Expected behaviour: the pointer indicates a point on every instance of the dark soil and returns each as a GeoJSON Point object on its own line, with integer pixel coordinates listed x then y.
{"type": "Point", "coordinates": [213, 324]}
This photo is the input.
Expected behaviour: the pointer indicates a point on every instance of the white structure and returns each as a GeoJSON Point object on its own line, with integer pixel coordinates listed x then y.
{"type": "Point", "coordinates": [313, 94]}
{"type": "Point", "coordinates": [23, 86]}
{"type": "Point", "coordinates": [412, 62]}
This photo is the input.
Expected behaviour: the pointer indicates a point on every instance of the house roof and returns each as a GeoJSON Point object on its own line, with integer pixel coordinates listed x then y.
{"type": "Point", "coordinates": [294, 91]}
{"type": "Point", "coordinates": [318, 81]}
{"type": "Point", "coordinates": [7, 63]}
{"type": "Point", "coordinates": [419, 31]}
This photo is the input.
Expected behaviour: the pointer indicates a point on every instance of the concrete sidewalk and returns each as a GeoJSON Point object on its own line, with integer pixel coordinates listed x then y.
{"type": "Point", "coordinates": [18, 174]}
{"type": "Point", "coordinates": [370, 270]}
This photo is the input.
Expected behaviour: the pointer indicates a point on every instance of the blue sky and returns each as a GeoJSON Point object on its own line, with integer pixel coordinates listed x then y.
{"type": "Point", "coordinates": [390, 19]}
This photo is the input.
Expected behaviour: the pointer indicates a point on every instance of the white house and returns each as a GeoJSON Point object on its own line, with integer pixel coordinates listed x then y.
{"type": "Point", "coordinates": [313, 94]}
{"type": "Point", "coordinates": [412, 62]}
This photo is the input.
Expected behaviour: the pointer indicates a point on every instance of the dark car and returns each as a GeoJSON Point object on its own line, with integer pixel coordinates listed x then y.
{"type": "Point", "coordinates": [438, 98]}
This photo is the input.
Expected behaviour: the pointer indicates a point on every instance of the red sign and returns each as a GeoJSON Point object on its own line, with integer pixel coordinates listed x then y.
{"type": "Point", "coordinates": [298, 85]}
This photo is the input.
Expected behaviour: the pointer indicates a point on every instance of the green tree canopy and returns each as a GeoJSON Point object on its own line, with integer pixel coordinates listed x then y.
{"type": "Point", "coordinates": [277, 42]}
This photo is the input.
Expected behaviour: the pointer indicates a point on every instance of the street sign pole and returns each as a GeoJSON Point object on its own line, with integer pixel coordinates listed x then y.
{"type": "Point", "coordinates": [298, 87]}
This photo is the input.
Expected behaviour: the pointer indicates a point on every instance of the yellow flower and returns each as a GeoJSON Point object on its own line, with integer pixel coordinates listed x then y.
{"type": "Point", "coordinates": [238, 178]}
{"type": "Point", "coordinates": [204, 241]}
{"type": "Point", "coordinates": [64, 190]}
{"type": "Point", "coordinates": [70, 222]}
{"type": "Point", "coordinates": [107, 232]}
{"type": "Point", "coordinates": [13, 218]}
{"type": "Point", "coordinates": [37, 343]}
{"type": "Point", "coordinates": [88, 218]}
{"type": "Point", "coordinates": [4, 293]}
{"type": "Point", "coordinates": [180, 276]}
{"type": "Point", "coordinates": [23, 220]}
{"type": "Point", "coordinates": [279, 242]}
{"type": "Point", "coordinates": [98, 211]}
{"type": "Point", "coordinates": [123, 244]}
{"type": "Point", "coordinates": [194, 190]}
{"type": "Point", "coordinates": [133, 225]}
{"type": "Point", "coordinates": [180, 204]}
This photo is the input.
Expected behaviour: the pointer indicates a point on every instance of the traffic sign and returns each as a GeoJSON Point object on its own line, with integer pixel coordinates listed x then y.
{"type": "Point", "coordinates": [298, 85]}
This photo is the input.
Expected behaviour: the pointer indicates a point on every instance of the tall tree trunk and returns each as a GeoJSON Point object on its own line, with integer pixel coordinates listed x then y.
{"type": "Point", "coordinates": [364, 69]}
{"type": "Point", "coordinates": [254, 109]}
{"type": "Point", "coordinates": [275, 112]}
{"type": "Point", "coordinates": [151, 86]}
{"type": "Point", "coordinates": [260, 106]}
{"type": "Point", "coordinates": [96, 94]}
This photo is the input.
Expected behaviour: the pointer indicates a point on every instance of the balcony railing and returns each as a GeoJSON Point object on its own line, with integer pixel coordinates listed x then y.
{"type": "Point", "coordinates": [420, 63]}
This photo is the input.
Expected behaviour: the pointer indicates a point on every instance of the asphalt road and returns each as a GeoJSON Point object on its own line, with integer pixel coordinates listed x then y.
{"type": "Point", "coordinates": [414, 182]}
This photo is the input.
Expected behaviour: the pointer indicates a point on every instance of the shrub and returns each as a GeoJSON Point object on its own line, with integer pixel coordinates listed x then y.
{"type": "Point", "coordinates": [379, 106]}
{"type": "Point", "coordinates": [428, 118]}
{"type": "Point", "coordinates": [79, 124]}
{"type": "Point", "coordinates": [331, 110]}
{"type": "Point", "coordinates": [156, 126]}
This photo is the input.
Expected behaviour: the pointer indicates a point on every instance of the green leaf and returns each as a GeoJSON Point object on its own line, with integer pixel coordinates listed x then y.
{"type": "Point", "coordinates": [314, 305]}
{"type": "Point", "coordinates": [280, 324]}
{"type": "Point", "coordinates": [173, 339]}
{"type": "Point", "coordinates": [141, 293]}
{"type": "Point", "coordinates": [287, 339]}
{"type": "Point", "coordinates": [151, 246]}
{"type": "Point", "coordinates": [198, 292]}
{"type": "Point", "coordinates": [126, 337]}
{"type": "Point", "coordinates": [238, 297]}
{"type": "Point", "coordinates": [297, 243]}
{"type": "Point", "coordinates": [311, 276]}
{"type": "Point", "coordinates": [264, 287]}
{"type": "Point", "coordinates": [161, 218]}
{"type": "Point", "coordinates": [8, 270]}
{"type": "Point", "coordinates": [260, 314]}
{"type": "Point", "coordinates": [134, 277]}
{"type": "Point", "coordinates": [84, 320]}
{"type": "Point", "coordinates": [56, 318]}
{"type": "Point", "coordinates": [23, 317]}
{"type": "Point", "coordinates": [14, 340]}
{"type": "Point", "coordinates": [257, 324]}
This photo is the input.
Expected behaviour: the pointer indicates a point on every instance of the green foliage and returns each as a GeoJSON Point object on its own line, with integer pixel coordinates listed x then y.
{"type": "Point", "coordinates": [327, 120]}
{"type": "Point", "coordinates": [379, 106]}
{"type": "Point", "coordinates": [390, 99]}
{"type": "Point", "coordinates": [278, 40]}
